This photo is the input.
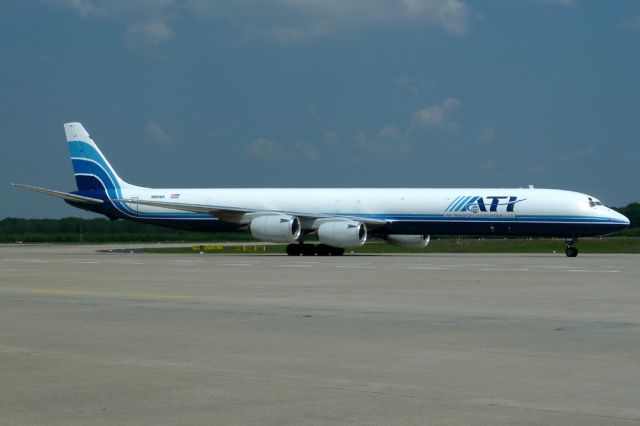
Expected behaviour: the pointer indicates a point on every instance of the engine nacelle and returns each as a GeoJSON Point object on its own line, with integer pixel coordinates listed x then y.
{"type": "Point", "coordinates": [408, 241]}
{"type": "Point", "coordinates": [342, 233]}
{"type": "Point", "coordinates": [276, 228]}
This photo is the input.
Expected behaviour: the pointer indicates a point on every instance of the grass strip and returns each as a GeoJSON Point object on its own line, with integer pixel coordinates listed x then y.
{"type": "Point", "coordinates": [449, 245]}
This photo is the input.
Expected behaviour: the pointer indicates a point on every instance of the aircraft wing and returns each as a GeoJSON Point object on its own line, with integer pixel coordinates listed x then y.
{"type": "Point", "coordinates": [233, 214]}
{"type": "Point", "coordinates": [59, 194]}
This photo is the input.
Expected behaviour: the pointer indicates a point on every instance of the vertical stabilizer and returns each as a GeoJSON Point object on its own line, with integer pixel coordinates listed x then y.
{"type": "Point", "coordinates": [91, 168]}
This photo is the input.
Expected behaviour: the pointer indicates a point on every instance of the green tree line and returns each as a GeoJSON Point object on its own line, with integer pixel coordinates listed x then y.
{"type": "Point", "coordinates": [74, 230]}
{"type": "Point", "coordinates": [632, 211]}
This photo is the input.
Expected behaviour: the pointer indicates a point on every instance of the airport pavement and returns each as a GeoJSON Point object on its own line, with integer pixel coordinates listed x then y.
{"type": "Point", "coordinates": [100, 338]}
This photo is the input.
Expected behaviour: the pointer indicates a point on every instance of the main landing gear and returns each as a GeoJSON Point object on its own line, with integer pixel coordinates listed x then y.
{"type": "Point", "coordinates": [298, 249]}
{"type": "Point", "coordinates": [571, 251]}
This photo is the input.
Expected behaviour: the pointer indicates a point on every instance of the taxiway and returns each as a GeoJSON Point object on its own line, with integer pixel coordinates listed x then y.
{"type": "Point", "coordinates": [100, 338]}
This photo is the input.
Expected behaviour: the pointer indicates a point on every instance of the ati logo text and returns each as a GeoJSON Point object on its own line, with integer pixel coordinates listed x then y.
{"type": "Point", "coordinates": [477, 204]}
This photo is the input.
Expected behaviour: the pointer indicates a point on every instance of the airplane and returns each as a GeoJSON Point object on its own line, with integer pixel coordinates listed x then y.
{"type": "Point", "coordinates": [341, 218]}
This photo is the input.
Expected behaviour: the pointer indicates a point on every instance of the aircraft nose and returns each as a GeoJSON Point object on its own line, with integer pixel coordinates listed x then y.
{"type": "Point", "coordinates": [619, 217]}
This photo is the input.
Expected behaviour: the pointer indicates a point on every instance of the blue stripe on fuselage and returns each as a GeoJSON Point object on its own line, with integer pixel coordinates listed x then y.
{"type": "Point", "coordinates": [450, 206]}
{"type": "Point", "coordinates": [460, 203]}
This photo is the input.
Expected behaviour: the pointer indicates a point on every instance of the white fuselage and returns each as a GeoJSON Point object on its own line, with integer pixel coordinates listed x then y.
{"type": "Point", "coordinates": [498, 210]}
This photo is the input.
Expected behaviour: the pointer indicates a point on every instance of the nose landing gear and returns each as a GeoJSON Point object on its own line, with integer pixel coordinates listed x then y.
{"type": "Point", "coordinates": [571, 251]}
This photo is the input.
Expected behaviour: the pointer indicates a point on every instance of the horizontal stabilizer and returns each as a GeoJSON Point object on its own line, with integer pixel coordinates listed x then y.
{"type": "Point", "coordinates": [59, 194]}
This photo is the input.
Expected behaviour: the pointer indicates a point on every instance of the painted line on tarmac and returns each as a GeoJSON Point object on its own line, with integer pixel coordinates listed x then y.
{"type": "Point", "coordinates": [7, 259]}
{"type": "Point", "coordinates": [461, 265]}
{"type": "Point", "coordinates": [505, 269]}
{"type": "Point", "coordinates": [416, 263]}
{"type": "Point", "coordinates": [58, 292]}
{"type": "Point", "coordinates": [356, 264]}
{"type": "Point", "coordinates": [549, 267]}
{"type": "Point", "coordinates": [428, 268]}
{"type": "Point", "coordinates": [236, 264]}
{"type": "Point", "coordinates": [137, 296]}
{"type": "Point", "coordinates": [294, 266]}
{"type": "Point", "coordinates": [159, 296]}
{"type": "Point", "coordinates": [355, 267]}
{"type": "Point", "coordinates": [591, 270]}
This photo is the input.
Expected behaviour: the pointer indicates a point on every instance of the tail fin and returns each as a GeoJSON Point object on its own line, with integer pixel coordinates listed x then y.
{"type": "Point", "coordinates": [91, 168]}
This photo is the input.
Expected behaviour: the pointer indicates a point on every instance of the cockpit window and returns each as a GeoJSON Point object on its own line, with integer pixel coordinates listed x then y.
{"type": "Point", "coordinates": [593, 203]}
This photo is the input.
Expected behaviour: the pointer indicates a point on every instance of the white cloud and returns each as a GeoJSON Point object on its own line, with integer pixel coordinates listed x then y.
{"type": "Point", "coordinates": [429, 117]}
{"type": "Point", "coordinates": [390, 133]}
{"type": "Point", "coordinates": [438, 117]}
{"type": "Point", "coordinates": [486, 136]}
{"type": "Point", "coordinates": [537, 169]}
{"type": "Point", "coordinates": [146, 22]}
{"type": "Point", "coordinates": [266, 150]}
{"type": "Point", "coordinates": [412, 85]}
{"type": "Point", "coordinates": [577, 154]}
{"type": "Point", "coordinates": [308, 151]}
{"type": "Point", "coordinates": [331, 136]}
{"type": "Point", "coordinates": [489, 166]}
{"type": "Point", "coordinates": [451, 15]}
{"type": "Point", "coordinates": [283, 21]}
{"type": "Point", "coordinates": [389, 139]}
{"type": "Point", "coordinates": [83, 7]}
{"type": "Point", "coordinates": [217, 134]}
{"type": "Point", "coordinates": [433, 121]}
{"type": "Point", "coordinates": [286, 34]}
{"type": "Point", "coordinates": [157, 133]}
{"type": "Point", "coordinates": [562, 2]}
{"type": "Point", "coordinates": [126, 11]}
{"type": "Point", "coordinates": [634, 23]}
{"type": "Point", "coordinates": [312, 109]}
{"type": "Point", "coordinates": [147, 34]}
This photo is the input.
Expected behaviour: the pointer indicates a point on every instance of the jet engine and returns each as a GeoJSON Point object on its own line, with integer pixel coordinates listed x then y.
{"type": "Point", "coordinates": [276, 228]}
{"type": "Point", "coordinates": [342, 233]}
{"type": "Point", "coordinates": [408, 241]}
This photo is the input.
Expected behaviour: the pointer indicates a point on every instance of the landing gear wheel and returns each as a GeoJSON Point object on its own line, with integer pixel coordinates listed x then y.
{"type": "Point", "coordinates": [308, 250]}
{"type": "Point", "coordinates": [336, 251]}
{"type": "Point", "coordinates": [323, 250]}
{"type": "Point", "coordinates": [294, 250]}
{"type": "Point", "coordinates": [571, 251]}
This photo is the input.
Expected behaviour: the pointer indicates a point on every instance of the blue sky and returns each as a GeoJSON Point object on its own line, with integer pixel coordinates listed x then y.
{"type": "Point", "coordinates": [322, 93]}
